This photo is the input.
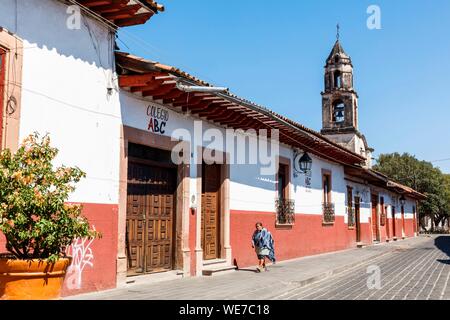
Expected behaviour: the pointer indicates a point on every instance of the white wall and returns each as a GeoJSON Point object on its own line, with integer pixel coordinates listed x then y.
{"type": "Point", "coordinates": [363, 191]}
{"type": "Point", "coordinates": [65, 78]}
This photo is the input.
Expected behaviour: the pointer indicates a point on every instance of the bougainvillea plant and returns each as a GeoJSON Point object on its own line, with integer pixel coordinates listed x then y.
{"type": "Point", "coordinates": [35, 217]}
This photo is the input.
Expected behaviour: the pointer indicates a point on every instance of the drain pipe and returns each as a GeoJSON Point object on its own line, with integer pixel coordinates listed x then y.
{"type": "Point", "coordinates": [186, 88]}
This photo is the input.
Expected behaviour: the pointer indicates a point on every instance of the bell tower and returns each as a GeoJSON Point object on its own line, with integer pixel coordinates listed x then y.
{"type": "Point", "coordinates": [339, 100]}
{"type": "Point", "coordinates": [340, 104]}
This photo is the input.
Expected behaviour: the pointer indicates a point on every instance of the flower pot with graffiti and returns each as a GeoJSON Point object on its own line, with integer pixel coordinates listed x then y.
{"type": "Point", "coordinates": [36, 220]}
{"type": "Point", "coordinates": [32, 279]}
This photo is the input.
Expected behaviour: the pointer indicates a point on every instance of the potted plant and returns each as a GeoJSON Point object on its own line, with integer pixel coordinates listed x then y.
{"type": "Point", "coordinates": [37, 221]}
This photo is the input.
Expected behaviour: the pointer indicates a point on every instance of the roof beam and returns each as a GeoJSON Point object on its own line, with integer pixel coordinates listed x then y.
{"type": "Point", "coordinates": [162, 89]}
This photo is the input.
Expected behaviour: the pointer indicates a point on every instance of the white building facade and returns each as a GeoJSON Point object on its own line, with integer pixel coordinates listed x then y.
{"type": "Point", "coordinates": [119, 117]}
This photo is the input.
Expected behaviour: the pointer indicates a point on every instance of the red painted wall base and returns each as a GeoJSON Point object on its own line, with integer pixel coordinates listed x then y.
{"type": "Point", "coordinates": [94, 264]}
{"type": "Point", "coordinates": [307, 237]}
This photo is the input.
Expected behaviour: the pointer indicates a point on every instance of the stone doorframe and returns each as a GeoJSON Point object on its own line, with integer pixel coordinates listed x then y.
{"type": "Point", "coordinates": [13, 47]}
{"type": "Point", "coordinates": [181, 239]}
{"type": "Point", "coordinates": [224, 212]}
{"type": "Point", "coordinates": [375, 193]}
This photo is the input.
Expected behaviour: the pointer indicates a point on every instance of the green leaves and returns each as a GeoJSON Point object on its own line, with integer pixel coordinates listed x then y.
{"type": "Point", "coordinates": [34, 215]}
{"type": "Point", "coordinates": [421, 176]}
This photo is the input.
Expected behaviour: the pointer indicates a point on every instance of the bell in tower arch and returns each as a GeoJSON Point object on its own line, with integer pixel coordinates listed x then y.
{"type": "Point", "coordinates": [339, 112]}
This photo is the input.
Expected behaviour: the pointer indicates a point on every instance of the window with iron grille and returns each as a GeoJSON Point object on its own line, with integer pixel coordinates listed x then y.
{"type": "Point", "coordinates": [327, 204]}
{"type": "Point", "coordinates": [328, 213]}
{"type": "Point", "coordinates": [351, 217]}
{"type": "Point", "coordinates": [285, 210]}
{"type": "Point", "coordinates": [383, 212]}
{"type": "Point", "coordinates": [350, 209]}
{"type": "Point", "coordinates": [285, 207]}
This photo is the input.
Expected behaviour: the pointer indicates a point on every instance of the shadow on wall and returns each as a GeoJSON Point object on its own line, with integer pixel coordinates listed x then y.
{"type": "Point", "coordinates": [443, 244]}
{"type": "Point", "coordinates": [89, 43]}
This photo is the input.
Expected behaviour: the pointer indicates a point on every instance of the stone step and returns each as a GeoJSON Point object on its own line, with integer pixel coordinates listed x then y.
{"type": "Point", "coordinates": [214, 262]}
{"type": "Point", "coordinates": [155, 277]}
{"type": "Point", "coordinates": [214, 270]}
{"type": "Point", "coordinates": [361, 245]}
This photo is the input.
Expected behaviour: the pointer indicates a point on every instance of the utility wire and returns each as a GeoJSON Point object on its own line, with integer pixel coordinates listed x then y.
{"type": "Point", "coordinates": [147, 47]}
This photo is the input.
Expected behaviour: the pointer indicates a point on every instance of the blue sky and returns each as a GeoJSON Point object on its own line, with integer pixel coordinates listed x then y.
{"type": "Point", "coordinates": [273, 53]}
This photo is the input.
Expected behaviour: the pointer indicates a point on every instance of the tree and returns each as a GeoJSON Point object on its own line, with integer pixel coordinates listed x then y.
{"type": "Point", "coordinates": [423, 177]}
{"type": "Point", "coordinates": [35, 217]}
{"type": "Point", "coordinates": [447, 197]}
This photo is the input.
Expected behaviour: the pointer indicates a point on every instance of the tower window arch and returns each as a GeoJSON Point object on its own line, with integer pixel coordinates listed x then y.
{"type": "Point", "coordinates": [338, 79]}
{"type": "Point", "coordinates": [338, 111]}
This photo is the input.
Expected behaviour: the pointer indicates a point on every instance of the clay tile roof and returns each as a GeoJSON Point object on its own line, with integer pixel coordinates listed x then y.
{"type": "Point", "coordinates": [295, 134]}
{"type": "Point", "coordinates": [405, 189]}
{"type": "Point", "coordinates": [123, 13]}
{"type": "Point", "coordinates": [382, 180]}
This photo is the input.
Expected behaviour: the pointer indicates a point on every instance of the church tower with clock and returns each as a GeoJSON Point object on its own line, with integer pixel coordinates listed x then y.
{"type": "Point", "coordinates": [340, 104]}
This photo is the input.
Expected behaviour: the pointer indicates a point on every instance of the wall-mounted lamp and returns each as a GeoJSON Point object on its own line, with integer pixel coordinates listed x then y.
{"type": "Point", "coordinates": [305, 163]}
{"type": "Point", "coordinates": [402, 200]}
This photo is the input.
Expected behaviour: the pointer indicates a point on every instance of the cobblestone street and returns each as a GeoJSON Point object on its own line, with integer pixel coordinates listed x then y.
{"type": "Point", "coordinates": [416, 268]}
{"type": "Point", "coordinates": [420, 272]}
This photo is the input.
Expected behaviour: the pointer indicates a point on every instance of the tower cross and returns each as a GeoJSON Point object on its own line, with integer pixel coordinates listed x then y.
{"type": "Point", "coordinates": [338, 28]}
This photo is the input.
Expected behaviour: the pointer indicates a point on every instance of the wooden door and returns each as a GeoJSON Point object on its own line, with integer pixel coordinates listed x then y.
{"type": "Point", "coordinates": [388, 231]}
{"type": "Point", "coordinates": [403, 222]}
{"type": "Point", "coordinates": [150, 218]}
{"type": "Point", "coordinates": [210, 211]}
{"type": "Point", "coordinates": [357, 219]}
{"type": "Point", "coordinates": [375, 230]}
{"type": "Point", "coordinates": [394, 231]}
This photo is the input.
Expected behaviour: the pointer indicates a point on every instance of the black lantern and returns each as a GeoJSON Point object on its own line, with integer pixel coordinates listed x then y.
{"type": "Point", "coordinates": [402, 200]}
{"type": "Point", "coordinates": [305, 163]}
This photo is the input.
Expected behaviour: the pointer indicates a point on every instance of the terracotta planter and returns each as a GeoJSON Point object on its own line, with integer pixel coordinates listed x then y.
{"type": "Point", "coordinates": [32, 279]}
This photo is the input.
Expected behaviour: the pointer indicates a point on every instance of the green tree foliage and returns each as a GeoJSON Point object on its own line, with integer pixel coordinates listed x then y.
{"type": "Point", "coordinates": [423, 177]}
{"type": "Point", "coordinates": [35, 218]}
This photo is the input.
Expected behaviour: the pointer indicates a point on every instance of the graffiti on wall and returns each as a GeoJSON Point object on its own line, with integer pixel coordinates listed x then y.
{"type": "Point", "coordinates": [82, 257]}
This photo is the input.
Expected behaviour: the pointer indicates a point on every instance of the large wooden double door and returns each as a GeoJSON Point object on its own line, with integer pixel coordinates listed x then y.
{"type": "Point", "coordinates": [150, 217]}
{"type": "Point", "coordinates": [210, 220]}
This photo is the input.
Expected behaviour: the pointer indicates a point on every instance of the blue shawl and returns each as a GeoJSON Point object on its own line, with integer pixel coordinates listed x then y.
{"type": "Point", "coordinates": [264, 239]}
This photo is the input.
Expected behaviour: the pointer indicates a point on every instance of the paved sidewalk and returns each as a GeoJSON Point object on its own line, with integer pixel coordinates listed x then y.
{"type": "Point", "coordinates": [246, 284]}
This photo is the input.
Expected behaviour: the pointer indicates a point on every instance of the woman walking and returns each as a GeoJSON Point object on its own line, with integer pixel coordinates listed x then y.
{"type": "Point", "coordinates": [263, 243]}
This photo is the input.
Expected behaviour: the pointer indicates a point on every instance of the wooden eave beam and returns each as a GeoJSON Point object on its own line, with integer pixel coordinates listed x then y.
{"type": "Point", "coordinates": [209, 104]}
{"type": "Point", "coordinates": [200, 105]}
{"type": "Point", "coordinates": [193, 100]}
{"type": "Point", "coordinates": [93, 3]}
{"type": "Point", "coordinates": [151, 86]}
{"type": "Point", "coordinates": [137, 79]}
{"type": "Point", "coordinates": [127, 12]}
{"type": "Point", "coordinates": [224, 117]}
{"type": "Point", "coordinates": [135, 20]}
{"type": "Point", "coordinates": [232, 120]}
{"type": "Point", "coordinates": [115, 5]}
{"type": "Point", "coordinates": [163, 89]}
{"type": "Point", "coordinates": [175, 93]}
